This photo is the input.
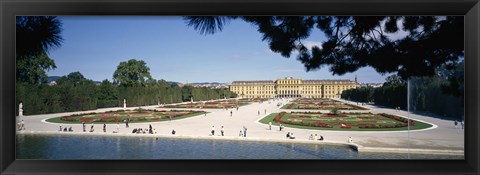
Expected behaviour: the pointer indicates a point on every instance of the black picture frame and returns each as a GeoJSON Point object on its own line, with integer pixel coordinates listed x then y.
{"type": "Point", "coordinates": [9, 9]}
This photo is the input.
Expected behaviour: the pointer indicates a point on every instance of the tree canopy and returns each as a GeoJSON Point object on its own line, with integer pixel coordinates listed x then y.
{"type": "Point", "coordinates": [35, 37]}
{"type": "Point", "coordinates": [132, 73]}
{"type": "Point", "coordinates": [354, 42]}
{"type": "Point", "coordinates": [394, 80]}
{"type": "Point", "coordinates": [74, 78]}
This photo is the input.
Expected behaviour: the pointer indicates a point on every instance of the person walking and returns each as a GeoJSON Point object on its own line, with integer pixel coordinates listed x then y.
{"type": "Point", "coordinates": [455, 122]}
{"type": "Point", "coordinates": [83, 125]}
{"type": "Point", "coordinates": [240, 134]}
{"type": "Point", "coordinates": [221, 130]}
{"type": "Point", "coordinates": [213, 130]}
{"type": "Point", "coordinates": [126, 122]}
{"type": "Point", "coordinates": [461, 123]}
{"type": "Point", "coordinates": [265, 111]}
{"type": "Point", "coordinates": [91, 128]}
{"type": "Point", "coordinates": [258, 112]}
{"type": "Point", "coordinates": [104, 127]}
{"type": "Point", "coordinates": [270, 125]}
{"type": "Point", "coordinates": [231, 113]}
{"type": "Point", "coordinates": [118, 127]}
{"type": "Point", "coordinates": [244, 131]}
{"type": "Point", "coordinates": [350, 140]}
{"type": "Point", "coordinates": [22, 125]}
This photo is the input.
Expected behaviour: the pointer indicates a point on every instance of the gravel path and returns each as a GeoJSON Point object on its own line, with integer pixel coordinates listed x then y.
{"type": "Point", "coordinates": [442, 139]}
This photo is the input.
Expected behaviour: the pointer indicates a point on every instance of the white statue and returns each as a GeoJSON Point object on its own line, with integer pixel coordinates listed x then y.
{"type": "Point", "coordinates": [20, 109]}
{"type": "Point", "coordinates": [191, 99]}
{"type": "Point", "coordinates": [124, 104]}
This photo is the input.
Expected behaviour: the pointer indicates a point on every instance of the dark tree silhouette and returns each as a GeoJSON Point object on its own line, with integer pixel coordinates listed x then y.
{"type": "Point", "coordinates": [35, 37]}
{"type": "Point", "coordinates": [354, 42]}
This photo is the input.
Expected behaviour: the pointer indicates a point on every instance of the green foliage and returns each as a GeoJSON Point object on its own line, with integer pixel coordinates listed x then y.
{"type": "Point", "coordinates": [353, 42]}
{"type": "Point", "coordinates": [334, 111]}
{"type": "Point", "coordinates": [31, 68]}
{"type": "Point", "coordinates": [107, 95]}
{"type": "Point", "coordinates": [132, 73]}
{"type": "Point", "coordinates": [74, 78]}
{"type": "Point", "coordinates": [133, 82]}
{"type": "Point", "coordinates": [426, 94]}
{"type": "Point", "coordinates": [363, 94]}
{"type": "Point", "coordinates": [394, 80]}
{"type": "Point", "coordinates": [35, 37]}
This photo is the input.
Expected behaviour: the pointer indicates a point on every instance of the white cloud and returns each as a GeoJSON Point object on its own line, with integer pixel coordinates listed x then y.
{"type": "Point", "coordinates": [400, 34]}
{"type": "Point", "coordinates": [310, 44]}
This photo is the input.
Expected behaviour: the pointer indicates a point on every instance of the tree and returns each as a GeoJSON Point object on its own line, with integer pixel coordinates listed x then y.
{"type": "Point", "coordinates": [74, 78]}
{"type": "Point", "coordinates": [394, 80]}
{"type": "Point", "coordinates": [107, 94]}
{"type": "Point", "coordinates": [131, 73]}
{"type": "Point", "coordinates": [354, 42]}
{"type": "Point", "coordinates": [35, 37]}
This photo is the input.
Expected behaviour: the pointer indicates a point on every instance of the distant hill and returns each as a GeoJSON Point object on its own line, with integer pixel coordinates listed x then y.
{"type": "Point", "coordinates": [52, 78]}
{"type": "Point", "coordinates": [208, 83]}
{"type": "Point", "coordinates": [173, 82]}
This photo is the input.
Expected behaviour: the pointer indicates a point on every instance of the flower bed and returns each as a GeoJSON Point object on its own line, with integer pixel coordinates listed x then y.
{"type": "Point", "coordinates": [132, 116]}
{"type": "Point", "coordinates": [343, 120]}
{"type": "Point", "coordinates": [86, 119]}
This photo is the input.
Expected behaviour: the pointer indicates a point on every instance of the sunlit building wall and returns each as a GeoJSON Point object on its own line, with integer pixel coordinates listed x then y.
{"type": "Point", "coordinates": [292, 87]}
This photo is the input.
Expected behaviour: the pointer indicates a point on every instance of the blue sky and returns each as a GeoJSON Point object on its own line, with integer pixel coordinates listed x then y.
{"type": "Point", "coordinates": [173, 51]}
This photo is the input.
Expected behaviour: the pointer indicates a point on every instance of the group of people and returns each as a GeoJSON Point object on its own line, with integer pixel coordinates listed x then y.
{"type": "Point", "coordinates": [244, 133]}
{"type": "Point", "coordinates": [456, 124]}
{"type": "Point", "coordinates": [212, 133]}
{"type": "Point", "coordinates": [65, 129]}
{"type": "Point", "coordinates": [21, 125]}
{"type": "Point", "coordinates": [290, 135]}
{"type": "Point", "coordinates": [315, 137]}
{"type": "Point", "coordinates": [150, 130]}
{"type": "Point", "coordinates": [144, 131]}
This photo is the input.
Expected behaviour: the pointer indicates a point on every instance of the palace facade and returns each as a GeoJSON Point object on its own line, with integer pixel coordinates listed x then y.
{"type": "Point", "coordinates": [292, 87]}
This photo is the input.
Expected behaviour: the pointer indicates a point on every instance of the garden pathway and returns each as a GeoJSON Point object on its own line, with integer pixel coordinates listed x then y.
{"type": "Point", "coordinates": [445, 138]}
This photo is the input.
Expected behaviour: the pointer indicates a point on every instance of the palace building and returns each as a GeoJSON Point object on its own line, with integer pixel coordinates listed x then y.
{"type": "Point", "coordinates": [292, 87]}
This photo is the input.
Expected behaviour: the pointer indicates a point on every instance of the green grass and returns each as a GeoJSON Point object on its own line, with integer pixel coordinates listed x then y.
{"type": "Point", "coordinates": [123, 116]}
{"type": "Point", "coordinates": [270, 117]}
{"type": "Point", "coordinates": [295, 105]}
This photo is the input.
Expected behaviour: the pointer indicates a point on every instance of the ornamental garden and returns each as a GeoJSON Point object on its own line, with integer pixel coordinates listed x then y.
{"type": "Point", "coordinates": [320, 104]}
{"type": "Point", "coordinates": [344, 121]}
{"type": "Point", "coordinates": [221, 104]}
{"type": "Point", "coordinates": [133, 116]}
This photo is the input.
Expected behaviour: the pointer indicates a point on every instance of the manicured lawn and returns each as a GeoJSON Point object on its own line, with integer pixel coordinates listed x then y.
{"type": "Point", "coordinates": [119, 116]}
{"type": "Point", "coordinates": [319, 104]}
{"type": "Point", "coordinates": [352, 120]}
{"type": "Point", "coordinates": [210, 105]}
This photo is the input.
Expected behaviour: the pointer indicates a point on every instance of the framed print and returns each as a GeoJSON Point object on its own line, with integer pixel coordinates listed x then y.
{"type": "Point", "coordinates": [239, 87]}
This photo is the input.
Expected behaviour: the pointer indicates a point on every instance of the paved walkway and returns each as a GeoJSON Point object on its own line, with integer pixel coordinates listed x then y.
{"type": "Point", "coordinates": [444, 139]}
